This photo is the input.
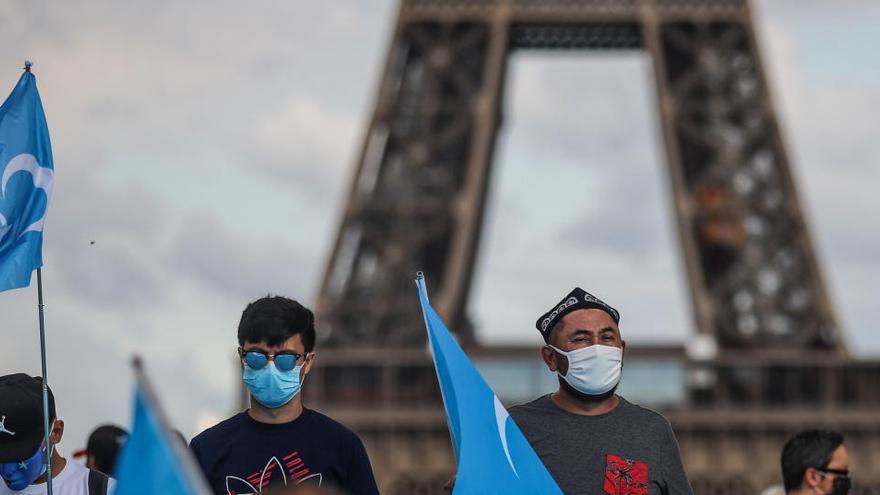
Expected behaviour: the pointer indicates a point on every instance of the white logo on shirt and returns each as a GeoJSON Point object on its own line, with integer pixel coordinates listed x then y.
{"type": "Point", "coordinates": [256, 482]}
{"type": "Point", "coordinates": [3, 427]}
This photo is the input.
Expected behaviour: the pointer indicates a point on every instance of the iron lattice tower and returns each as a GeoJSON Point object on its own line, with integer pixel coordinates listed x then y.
{"type": "Point", "coordinates": [417, 199]}
{"type": "Point", "coordinates": [417, 203]}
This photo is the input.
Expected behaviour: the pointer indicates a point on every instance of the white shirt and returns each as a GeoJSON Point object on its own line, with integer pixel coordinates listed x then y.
{"type": "Point", "coordinates": [72, 480]}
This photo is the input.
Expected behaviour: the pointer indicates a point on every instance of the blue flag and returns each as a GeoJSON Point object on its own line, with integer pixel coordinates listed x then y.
{"type": "Point", "coordinates": [153, 460]}
{"type": "Point", "coordinates": [26, 175]}
{"type": "Point", "coordinates": [493, 455]}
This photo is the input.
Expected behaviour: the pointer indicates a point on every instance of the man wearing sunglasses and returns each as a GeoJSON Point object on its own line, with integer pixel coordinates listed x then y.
{"type": "Point", "coordinates": [23, 449]}
{"type": "Point", "coordinates": [277, 441]}
{"type": "Point", "coordinates": [815, 462]}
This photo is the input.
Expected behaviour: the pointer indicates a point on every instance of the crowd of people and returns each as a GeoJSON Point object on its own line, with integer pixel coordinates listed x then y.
{"type": "Point", "coordinates": [590, 439]}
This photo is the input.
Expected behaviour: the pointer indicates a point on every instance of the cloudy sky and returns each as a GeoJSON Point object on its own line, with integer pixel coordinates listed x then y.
{"type": "Point", "coordinates": [205, 148]}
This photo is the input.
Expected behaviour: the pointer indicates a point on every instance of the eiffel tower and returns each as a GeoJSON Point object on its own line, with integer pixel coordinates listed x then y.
{"type": "Point", "coordinates": [773, 358]}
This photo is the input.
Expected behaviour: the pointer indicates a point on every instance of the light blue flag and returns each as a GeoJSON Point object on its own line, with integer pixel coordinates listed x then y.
{"type": "Point", "coordinates": [493, 455]}
{"type": "Point", "coordinates": [153, 460]}
{"type": "Point", "coordinates": [26, 176]}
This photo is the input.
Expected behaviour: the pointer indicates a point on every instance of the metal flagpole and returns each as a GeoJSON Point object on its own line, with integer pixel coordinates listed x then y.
{"type": "Point", "coordinates": [45, 384]}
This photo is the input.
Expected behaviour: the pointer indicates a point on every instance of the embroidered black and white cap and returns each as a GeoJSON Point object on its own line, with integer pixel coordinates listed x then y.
{"type": "Point", "coordinates": [21, 416]}
{"type": "Point", "coordinates": [576, 299]}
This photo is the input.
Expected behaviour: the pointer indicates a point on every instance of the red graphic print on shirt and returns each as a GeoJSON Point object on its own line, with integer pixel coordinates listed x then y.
{"type": "Point", "coordinates": [292, 472]}
{"type": "Point", "coordinates": [625, 476]}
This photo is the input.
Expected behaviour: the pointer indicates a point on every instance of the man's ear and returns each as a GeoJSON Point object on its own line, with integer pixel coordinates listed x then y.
{"type": "Point", "coordinates": [90, 462]}
{"type": "Point", "coordinates": [812, 478]}
{"type": "Point", "coordinates": [57, 432]}
{"type": "Point", "coordinates": [309, 359]}
{"type": "Point", "coordinates": [549, 357]}
{"type": "Point", "coordinates": [554, 361]}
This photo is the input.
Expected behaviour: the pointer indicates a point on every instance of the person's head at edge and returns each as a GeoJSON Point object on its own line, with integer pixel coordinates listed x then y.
{"type": "Point", "coordinates": [585, 348]}
{"type": "Point", "coordinates": [815, 462]}
{"type": "Point", "coordinates": [23, 454]}
{"type": "Point", "coordinates": [103, 446]}
{"type": "Point", "coordinates": [276, 338]}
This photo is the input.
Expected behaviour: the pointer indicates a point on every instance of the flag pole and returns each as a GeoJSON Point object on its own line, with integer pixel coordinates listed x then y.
{"type": "Point", "coordinates": [182, 455]}
{"type": "Point", "coordinates": [45, 379]}
{"type": "Point", "coordinates": [27, 68]}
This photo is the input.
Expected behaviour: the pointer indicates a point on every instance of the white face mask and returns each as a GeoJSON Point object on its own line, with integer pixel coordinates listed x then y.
{"type": "Point", "coordinates": [593, 370]}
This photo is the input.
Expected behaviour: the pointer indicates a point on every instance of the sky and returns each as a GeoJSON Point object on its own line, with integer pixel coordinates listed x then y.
{"type": "Point", "coordinates": [203, 151]}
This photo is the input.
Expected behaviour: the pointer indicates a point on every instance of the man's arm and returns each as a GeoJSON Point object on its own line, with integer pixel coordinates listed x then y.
{"type": "Point", "coordinates": [195, 448]}
{"type": "Point", "coordinates": [360, 473]}
{"type": "Point", "coordinates": [675, 477]}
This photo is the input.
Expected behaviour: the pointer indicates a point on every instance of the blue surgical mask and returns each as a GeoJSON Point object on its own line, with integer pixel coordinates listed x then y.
{"type": "Point", "coordinates": [271, 387]}
{"type": "Point", "coordinates": [19, 475]}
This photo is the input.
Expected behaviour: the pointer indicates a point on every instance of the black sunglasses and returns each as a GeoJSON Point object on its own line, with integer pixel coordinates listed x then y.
{"type": "Point", "coordinates": [838, 472]}
{"type": "Point", "coordinates": [284, 361]}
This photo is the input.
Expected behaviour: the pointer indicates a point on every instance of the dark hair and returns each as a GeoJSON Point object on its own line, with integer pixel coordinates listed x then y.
{"type": "Point", "coordinates": [274, 319]}
{"type": "Point", "coordinates": [104, 444]}
{"type": "Point", "coordinates": [807, 449]}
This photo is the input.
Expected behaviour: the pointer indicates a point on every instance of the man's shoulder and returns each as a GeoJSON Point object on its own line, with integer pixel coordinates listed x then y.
{"type": "Point", "coordinates": [329, 426]}
{"type": "Point", "coordinates": [72, 479]}
{"type": "Point", "coordinates": [541, 405]}
{"type": "Point", "coordinates": [104, 484]}
{"type": "Point", "coordinates": [643, 414]}
{"type": "Point", "coordinates": [220, 430]}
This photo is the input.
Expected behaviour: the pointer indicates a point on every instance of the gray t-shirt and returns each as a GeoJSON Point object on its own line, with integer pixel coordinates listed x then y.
{"type": "Point", "coordinates": [630, 450]}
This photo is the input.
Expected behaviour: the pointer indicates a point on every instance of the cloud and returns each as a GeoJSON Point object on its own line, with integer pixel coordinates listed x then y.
{"type": "Point", "coordinates": [238, 267]}
{"type": "Point", "coordinates": [831, 137]}
{"type": "Point", "coordinates": [102, 243]}
{"type": "Point", "coordinates": [581, 199]}
{"type": "Point", "coordinates": [650, 294]}
{"type": "Point", "coordinates": [594, 107]}
{"type": "Point", "coordinates": [304, 143]}
{"type": "Point", "coordinates": [109, 276]}
{"type": "Point", "coordinates": [596, 113]}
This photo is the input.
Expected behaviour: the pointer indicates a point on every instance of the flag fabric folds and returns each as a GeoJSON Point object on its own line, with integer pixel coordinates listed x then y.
{"type": "Point", "coordinates": [153, 459]}
{"type": "Point", "coordinates": [26, 176]}
{"type": "Point", "coordinates": [493, 455]}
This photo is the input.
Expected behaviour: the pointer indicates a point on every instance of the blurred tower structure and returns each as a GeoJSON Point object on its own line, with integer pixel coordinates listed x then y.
{"type": "Point", "coordinates": [769, 356]}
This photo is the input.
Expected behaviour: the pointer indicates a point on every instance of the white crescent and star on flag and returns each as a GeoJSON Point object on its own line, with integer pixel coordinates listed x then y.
{"type": "Point", "coordinates": [41, 178]}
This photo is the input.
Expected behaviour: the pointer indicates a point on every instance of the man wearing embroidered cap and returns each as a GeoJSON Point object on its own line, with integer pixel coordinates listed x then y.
{"type": "Point", "coordinates": [591, 439]}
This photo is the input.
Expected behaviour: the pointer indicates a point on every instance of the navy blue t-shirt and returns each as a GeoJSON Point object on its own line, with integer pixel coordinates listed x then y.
{"type": "Point", "coordinates": [241, 455]}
